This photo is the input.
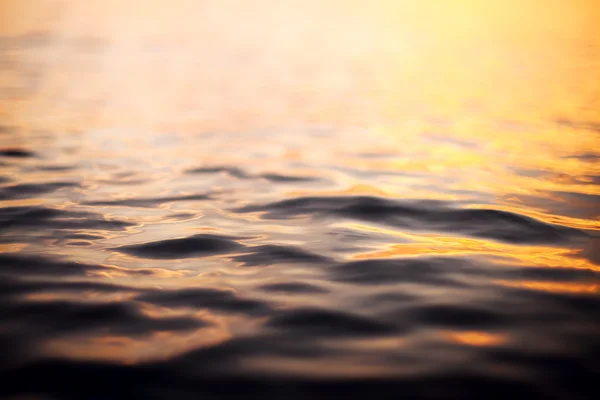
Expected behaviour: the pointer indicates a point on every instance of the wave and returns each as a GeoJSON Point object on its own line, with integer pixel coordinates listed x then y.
{"type": "Point", "coordinates": [416, 215]}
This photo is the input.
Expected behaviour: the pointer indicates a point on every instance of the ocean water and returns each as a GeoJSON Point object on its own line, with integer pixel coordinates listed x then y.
{"type": "Point", "coordinates": [299, 200]}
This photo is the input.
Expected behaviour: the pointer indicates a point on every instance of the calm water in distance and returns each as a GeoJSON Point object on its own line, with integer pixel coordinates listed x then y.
{"type": "Point", "coordinates": [299, 199]}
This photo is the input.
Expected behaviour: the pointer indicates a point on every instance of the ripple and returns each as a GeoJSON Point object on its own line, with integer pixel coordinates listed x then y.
{"type": "Point", "coordinates": [553, 274]}
{"type": "Point", "coordinates": [588, 157]}
{"type": "Point", "coordinates": [50, 218]}
{"type": "Point", "coordinates": [36, 322]}
{"type": "Point", "coordinates": [428, 270]}
{"type": "Point", "coordinates": [148, 202]}
{"type": "Point", "coordinates": [17, 153]}
{"type": "Point", "coordinates": [235, 172]}
{"type": "Point", "coordinates": [192, 246]}
{"type": "Point", "coordinates": [68, 317]}
{"type": "Point", "coordinates": [214, 299]}
{"type": "Point", "coordinates": [32, 189]}
{"type": "Point", "coordinates": [456, 316]}
{"type": "Point", "coordinates": [11, 286]}
{"type": "Point", "coordinates": [321, 322]}
{"type": "Point", "coordinates": [28, 265]}
{"type": "Point", "coordinates": [423, 215]}
{"type": "Point", "coordinates": [292, 287]}
{"type": "Point", "coordinates": [56, 168]}
{"type": "Point", "coordinates": [286, 178]}
{"type": "Point", "coordinates": [241, 174]}
{"type": "Point", "coordinates": [274, 254]}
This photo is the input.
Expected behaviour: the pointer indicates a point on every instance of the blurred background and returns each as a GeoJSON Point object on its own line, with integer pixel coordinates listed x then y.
{"type": "Point", "coordinates": [234, 65]}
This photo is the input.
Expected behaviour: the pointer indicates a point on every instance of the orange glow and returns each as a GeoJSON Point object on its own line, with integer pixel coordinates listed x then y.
{"type": "Point", "coordinates": [521, 255]}
{"type": "Point", "coordinates": [12, 247]}
{"type": "Point", "coordinates": [476, 338]}
{"type": "Point", "coordinates": [353, 190]}
{"type": "Point", "coordinates": [127, 350]}
{"type": "Point", "coordinates": [556, 287]}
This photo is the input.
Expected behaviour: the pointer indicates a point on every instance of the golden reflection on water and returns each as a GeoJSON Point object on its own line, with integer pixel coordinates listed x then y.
{"type": "Point", "coordinates": [492, 103]}
{"type": "Point", "coordinates": [128, 350]}
{"type": "Point", "coordinates": [474, 338]}
{"type": "Point", "coordinates": [557, 287]}
{"type": "Point", "coordinates": [522, 255]}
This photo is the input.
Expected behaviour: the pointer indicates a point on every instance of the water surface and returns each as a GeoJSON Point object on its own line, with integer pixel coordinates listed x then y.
{"type": "Point", "coordinates": [299, 200]}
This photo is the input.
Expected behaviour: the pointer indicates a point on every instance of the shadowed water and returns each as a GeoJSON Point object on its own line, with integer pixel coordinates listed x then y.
{"type": "Point", "coordinates": [299, 200]}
